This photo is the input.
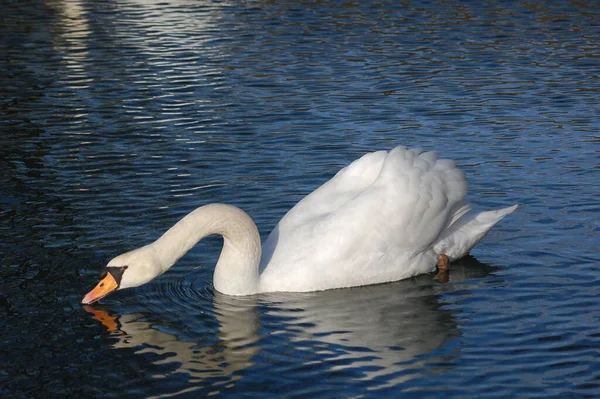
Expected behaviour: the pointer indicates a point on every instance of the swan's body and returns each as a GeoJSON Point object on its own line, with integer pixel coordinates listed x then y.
{"type": "Point", "coordinates": [385, 217]}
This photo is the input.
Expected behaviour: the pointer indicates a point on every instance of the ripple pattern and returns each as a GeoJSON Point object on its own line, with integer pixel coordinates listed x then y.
{"type": "Point", "coordinates": [118, 118]}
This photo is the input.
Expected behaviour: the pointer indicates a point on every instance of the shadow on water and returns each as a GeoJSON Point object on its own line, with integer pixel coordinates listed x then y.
{"type": "Point", "coordinates": [382, 333]}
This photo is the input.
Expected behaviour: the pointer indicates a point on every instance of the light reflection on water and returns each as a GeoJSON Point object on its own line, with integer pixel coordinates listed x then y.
{"type": "Point", "coordinates": [378, 334]}
{"type": "Point", "coordinates": [119, 118]}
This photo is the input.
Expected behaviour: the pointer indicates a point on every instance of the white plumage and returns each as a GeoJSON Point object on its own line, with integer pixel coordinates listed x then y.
{"type": "Point", "coordinates": [385, 217]}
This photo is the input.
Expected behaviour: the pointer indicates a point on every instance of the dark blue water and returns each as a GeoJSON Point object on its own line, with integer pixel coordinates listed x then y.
{"type": "Point", "coordinates": [118, 118]}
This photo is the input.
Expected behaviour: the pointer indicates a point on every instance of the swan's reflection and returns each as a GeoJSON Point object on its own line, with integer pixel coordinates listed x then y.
{"type": "Point", "coordinates": [215, 362]}
{"type": "Point", "coordinates": [382, 331]}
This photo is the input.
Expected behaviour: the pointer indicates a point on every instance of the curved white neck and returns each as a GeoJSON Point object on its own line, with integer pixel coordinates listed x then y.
{"type": "Point", "coordinates": [236, 272]}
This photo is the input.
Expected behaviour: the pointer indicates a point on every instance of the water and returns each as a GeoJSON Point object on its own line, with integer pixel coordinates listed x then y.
{"type": "Point", "coordinates": [118, 118]}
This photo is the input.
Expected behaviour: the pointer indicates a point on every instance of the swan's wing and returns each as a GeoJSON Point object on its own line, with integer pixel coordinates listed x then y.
{"type": "Point", "coordinates": [413, 199]}
{"type": "Point", "coordinates": [383, 210]}
{"type": "Point", "coordinates": [321, 203]}
{"type": "Point", "coordinates": [338, 191]}
{"type": "Point", "coordinates": [419, 195]}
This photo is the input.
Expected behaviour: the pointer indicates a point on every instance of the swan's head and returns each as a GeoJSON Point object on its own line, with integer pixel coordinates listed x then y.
{"type": "Point", "coordinates": [130, 269]}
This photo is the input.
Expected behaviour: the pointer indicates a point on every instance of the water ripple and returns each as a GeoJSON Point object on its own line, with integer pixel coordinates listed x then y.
{"type": "Point", "coordinates": [119, 118]}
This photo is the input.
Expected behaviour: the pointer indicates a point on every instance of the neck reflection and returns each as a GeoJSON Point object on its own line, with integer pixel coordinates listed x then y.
{"type": "Point", "coordinates": [383, 333]}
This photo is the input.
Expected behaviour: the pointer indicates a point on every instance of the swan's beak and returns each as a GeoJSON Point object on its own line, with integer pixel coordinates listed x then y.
{"type": "Point", "coordinates": [107, 285]}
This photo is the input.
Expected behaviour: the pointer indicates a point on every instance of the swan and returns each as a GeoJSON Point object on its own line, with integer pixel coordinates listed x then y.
{"type": "Point", "coordinates": [385, 217]}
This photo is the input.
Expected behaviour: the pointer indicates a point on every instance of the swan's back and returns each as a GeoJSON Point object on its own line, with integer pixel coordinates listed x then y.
{"type": "Point", "coordinates": [376, 220]}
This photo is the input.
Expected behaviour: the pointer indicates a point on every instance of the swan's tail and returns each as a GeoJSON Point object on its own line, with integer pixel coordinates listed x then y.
{"type": "Point", "coordinates": [463, 234]}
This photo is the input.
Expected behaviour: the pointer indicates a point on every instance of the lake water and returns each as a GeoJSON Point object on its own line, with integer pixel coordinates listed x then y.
{"type": "Point", "coordinates": [118, 118]}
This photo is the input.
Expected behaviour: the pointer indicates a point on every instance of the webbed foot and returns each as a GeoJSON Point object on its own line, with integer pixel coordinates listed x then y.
{"type": "Point", "coordinates": [443, 269]}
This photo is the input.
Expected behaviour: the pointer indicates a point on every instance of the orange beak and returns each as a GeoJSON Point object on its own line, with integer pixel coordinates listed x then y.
{"type": "Point", "coordinates": [107, 285]}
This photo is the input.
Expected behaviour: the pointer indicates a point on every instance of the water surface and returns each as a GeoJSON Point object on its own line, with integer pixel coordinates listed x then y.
{"type": "Point", "coordinates": [118, 118]}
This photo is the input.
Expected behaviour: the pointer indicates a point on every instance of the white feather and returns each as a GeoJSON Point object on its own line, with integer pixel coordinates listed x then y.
{"type": "Point", "coordinates": [385, 217]}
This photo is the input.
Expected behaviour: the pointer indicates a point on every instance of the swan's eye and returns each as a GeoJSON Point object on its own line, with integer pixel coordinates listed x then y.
{"type": "Point", "coordinates": [115, 271]}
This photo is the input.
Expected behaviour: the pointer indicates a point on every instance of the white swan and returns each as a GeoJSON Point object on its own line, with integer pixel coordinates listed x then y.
{"type": "Point", "coordinates": [385, 217]}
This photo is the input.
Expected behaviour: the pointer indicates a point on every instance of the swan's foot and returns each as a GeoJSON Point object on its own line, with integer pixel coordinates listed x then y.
{"type": "Point", "coordinates": [443, 269]}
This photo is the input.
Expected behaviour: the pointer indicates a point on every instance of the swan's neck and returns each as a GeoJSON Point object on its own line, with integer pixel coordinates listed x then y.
{"type": "Point", "coordinates": [236, 272]}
